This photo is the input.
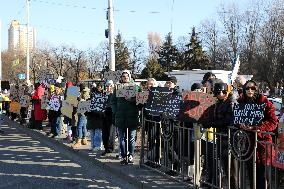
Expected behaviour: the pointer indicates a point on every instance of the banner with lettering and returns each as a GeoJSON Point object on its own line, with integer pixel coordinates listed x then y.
{"type": "Point", "coordinates": [248, 113]}
{"type": "Point", "coordinates": [197, 107]}
{"type": "Point", "coordinates": [98, 102]}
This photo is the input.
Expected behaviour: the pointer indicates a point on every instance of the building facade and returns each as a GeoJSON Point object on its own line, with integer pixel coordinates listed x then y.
{"type": "Point", "coordinates": [17, 37]}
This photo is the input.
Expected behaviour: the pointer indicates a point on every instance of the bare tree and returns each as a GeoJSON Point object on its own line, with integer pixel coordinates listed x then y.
{"type": "Point", "coordinates": [155, 43]}
{"type": "Point", "coordinates": [136, 49]}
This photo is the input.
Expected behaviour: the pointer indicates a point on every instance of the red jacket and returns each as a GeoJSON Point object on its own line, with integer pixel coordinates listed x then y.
{"type": "Point", "coordinates": [40, 114]}
{"type": "Point", "coordinates": [269, 124]}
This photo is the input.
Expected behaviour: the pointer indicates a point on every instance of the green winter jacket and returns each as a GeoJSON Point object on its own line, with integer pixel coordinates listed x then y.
{"type": "Point", "coordinates": [125, 111]}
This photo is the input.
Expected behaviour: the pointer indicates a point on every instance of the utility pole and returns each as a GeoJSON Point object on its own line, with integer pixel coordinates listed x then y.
{"type": "Point", "coordinates": [111, 36]}
{"type": "Point", "coordinates": [28, 42]}
{"type": "Point", "coordinates": [0, 54]}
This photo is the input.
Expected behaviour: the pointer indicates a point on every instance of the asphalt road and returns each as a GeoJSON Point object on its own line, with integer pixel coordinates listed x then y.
{"type": "Point", "coordinates": [29, 163]}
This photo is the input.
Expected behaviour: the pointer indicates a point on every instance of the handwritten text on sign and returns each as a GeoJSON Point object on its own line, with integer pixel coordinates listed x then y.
{"type": "Point", "coordinates": [172, 106]}
{"type": "Point", "coordinates": [196, 107]}
{"type": "Point", "coordinates": [157, 100]}
{"type": "Point", "coordinates": [126, 90]}
{"type": "Point", "coordinates": [249, 114]}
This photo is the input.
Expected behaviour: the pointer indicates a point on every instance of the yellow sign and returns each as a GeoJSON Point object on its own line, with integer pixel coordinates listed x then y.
{"type": "Point", "coordinates": [15, 107]}
{"type": "Point", "coordinates": [67, 109]}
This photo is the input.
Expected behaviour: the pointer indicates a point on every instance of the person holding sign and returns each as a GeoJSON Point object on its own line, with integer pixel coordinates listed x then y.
{"type": "Point", "coordinates": [264, 149]}
{"type": "Point", "coordinates": [221, 119]}
{"type": "Point", "coordinates": [108, 130]}
{"type": "Point", "coordinates": [39, 114]}
{"type": "Point", "coordinates": [82, 120]}
{"type": "Point", "coordinates": [54, 106]}
{"type": "Point", "coordinates": [126, 120]}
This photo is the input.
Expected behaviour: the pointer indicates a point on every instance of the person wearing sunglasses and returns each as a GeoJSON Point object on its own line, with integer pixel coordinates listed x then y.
{"type": "Point", "coordinates": [268, 124]}
{"type": "Point", "coordinates": [221, 119]}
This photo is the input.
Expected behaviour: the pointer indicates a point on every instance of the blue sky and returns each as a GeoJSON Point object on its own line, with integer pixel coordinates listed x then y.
{"type": "Point", "coordinates": [81, 23]}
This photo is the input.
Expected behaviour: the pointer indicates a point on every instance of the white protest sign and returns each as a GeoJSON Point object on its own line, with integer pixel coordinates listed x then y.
{"type": "Point", "coordinates": [83, 106]}
{"type": "Point", "coordinates": [44, 102]}
{"type": "Point", "coordinates": [142, 97]}
{"type": "Point", "coordinates": [25, 101]}
{"type": "Point", "coordinates": [126, 90]}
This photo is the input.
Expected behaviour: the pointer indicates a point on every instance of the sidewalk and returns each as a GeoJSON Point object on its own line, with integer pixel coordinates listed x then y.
{"type": "Point", "coordinates": [141, 177]}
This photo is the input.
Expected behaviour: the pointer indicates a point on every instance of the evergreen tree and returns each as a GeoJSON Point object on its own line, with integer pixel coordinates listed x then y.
{"type": "Point", "coordinates": [168, 54]}
{"type": "Point", "coordinates": [153, 69]}
{"type": "Point", "coordinates": [194, 57]}
{"type": "Point", "coordinates": [121, 54]}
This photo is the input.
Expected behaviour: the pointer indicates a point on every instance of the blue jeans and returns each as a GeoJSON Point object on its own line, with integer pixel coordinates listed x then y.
{"type": "Point", "coordinates": [122, 141]}
{"type": "Point", "coordinates": [96, 138]}
{"type": "Point", "coordinates": [82, 127]}
{"type": "Point", "coordinates": [56, 125]}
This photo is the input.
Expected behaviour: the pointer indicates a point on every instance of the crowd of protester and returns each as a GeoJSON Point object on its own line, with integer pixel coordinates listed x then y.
{"type": "Point", "coordinates": [122, 115]}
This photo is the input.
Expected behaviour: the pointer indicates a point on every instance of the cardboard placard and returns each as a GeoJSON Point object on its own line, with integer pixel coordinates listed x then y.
{"type": "Point", "coordinates": [44, 102]}
{"type": "Point", "coordinates": [66, 109]}
{"type": "Point", "coordinates": [197, 107]}
{"type": "Point", "coordinates": [54, 103]}
{"type": "Point", "coordinates": [98, 102]}
{"type": "Point", "coordinates": [83, 106]}
{"type": "Point", "coordinates": [142, 97]}
{"type": "Point", "coordinates": [15, 107]}
{"type": "Point", "coordinates": [248, 113]}
{"type": "Point", "coordinates": [126, 90]}
{"type": "Point", "coordinates": [72, 95]}
{"type": "Point", "coordinates": [25, 101]}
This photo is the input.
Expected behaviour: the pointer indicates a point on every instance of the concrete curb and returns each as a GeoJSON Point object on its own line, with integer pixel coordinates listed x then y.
{"type": "Point", "coordinates": [126, 173]}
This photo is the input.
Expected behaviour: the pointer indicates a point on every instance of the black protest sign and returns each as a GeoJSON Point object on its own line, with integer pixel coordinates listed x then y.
{"type": "Point", "coordinates": [5, 85]}
{"type": "Point", "coordinates": [172, 106]}
{"type": "Point", "coordinates": [248, 113]}
{"type": "Point", "coordinates": [98, 102]}
{"type": "Point", "coordinates": [157, 100]}
{"type": "Point", "coordinates": [197, 107]}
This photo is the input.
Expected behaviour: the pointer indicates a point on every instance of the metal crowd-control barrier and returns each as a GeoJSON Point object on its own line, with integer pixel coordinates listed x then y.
{"type": "Point", "coordinates": [211, 158]}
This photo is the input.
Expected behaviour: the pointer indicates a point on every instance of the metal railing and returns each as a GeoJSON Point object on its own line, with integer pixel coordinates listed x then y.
{"type": "Point", "coordinates": [214, 158]}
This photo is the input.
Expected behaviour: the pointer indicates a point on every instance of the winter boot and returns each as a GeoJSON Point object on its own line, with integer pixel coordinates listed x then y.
{"type": "Point", "coordinates": [77, 143]}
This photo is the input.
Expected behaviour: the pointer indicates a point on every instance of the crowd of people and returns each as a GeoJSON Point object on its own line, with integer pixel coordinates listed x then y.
{"type": "Point", "coordinates": [122, 115]}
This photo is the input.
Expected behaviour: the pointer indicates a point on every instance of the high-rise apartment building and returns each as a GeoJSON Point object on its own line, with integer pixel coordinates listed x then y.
{"type": "Point", "coordinates": [17, 37]}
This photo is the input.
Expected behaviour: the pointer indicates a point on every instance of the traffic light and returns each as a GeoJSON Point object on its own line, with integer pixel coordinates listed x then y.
{"type": "Point", "coordinates": [106, 33]}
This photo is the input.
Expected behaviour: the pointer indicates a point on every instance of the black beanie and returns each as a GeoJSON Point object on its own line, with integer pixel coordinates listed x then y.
{"type": "Point", "coordinates": [173, 79]}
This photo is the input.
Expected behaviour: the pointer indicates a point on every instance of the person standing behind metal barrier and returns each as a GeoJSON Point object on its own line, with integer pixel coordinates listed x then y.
{"type": "Point", "coordinates": [223, 113]}
{"type": "Point", "coordinates": [126, 120]}
{"type": "Point", "coordinates": [171, 83]}
{"type": "Point", "coordinates": [264, 149]}
{"type": "Point", "coordinates": [153, 131]}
